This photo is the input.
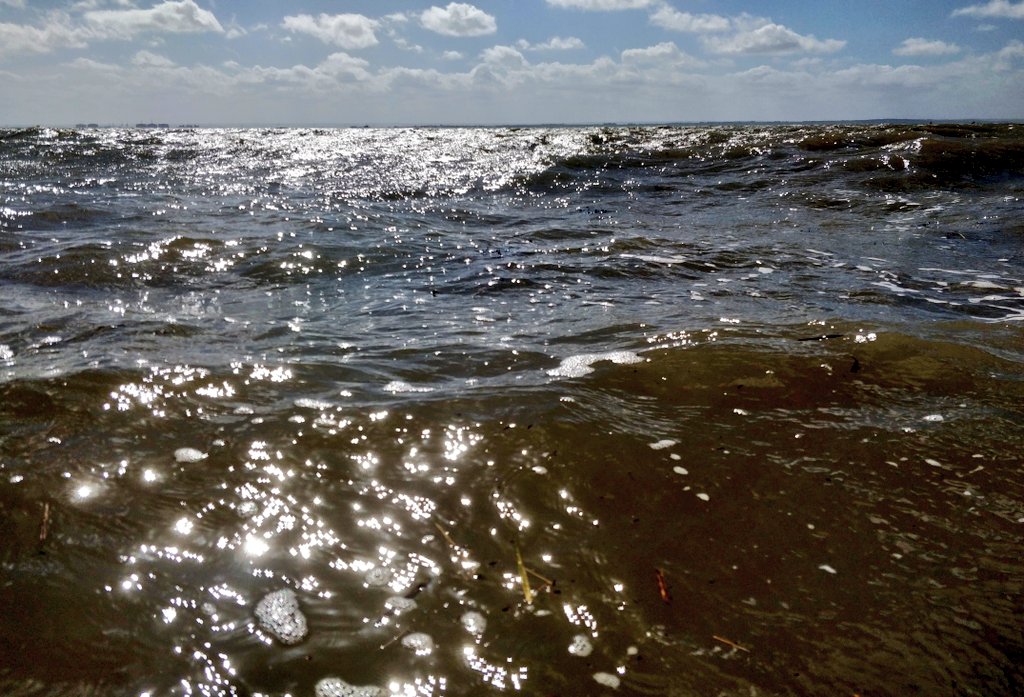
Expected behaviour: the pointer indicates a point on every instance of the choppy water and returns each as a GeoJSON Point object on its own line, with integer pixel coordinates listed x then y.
{"type": "Point", "coordinates": [745, 405]}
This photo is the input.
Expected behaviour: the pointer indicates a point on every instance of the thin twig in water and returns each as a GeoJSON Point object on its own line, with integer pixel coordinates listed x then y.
{"type": "Point", "coordinates": [666, 597]}
{"type": "Point", "coordinates": [733, 644]}
{"type": "Point", "coordinates": [393, 639]}
{"type": "Point", "coordinates": [446, 536]}
{"type": "Point", "coordinates": [44, 527]}
{"type": "Point", "coordinates": [547, 581]}
{"type": "Point", "coordinates": [524, 577]}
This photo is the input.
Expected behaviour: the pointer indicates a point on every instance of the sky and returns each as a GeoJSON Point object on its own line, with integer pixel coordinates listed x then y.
{"type": "Point", "coordinates": [406, 62]}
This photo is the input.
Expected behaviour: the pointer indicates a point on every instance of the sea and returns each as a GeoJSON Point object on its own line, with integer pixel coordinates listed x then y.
{"type": "Point", "coordinates": [688, 410]}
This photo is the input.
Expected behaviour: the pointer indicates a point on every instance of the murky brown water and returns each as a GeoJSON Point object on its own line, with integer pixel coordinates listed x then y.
{"type": "Point", "coordinates": [735, 442]}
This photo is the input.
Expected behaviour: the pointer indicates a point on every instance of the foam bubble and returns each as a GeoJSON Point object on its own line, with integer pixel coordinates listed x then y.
{"type": "Point", "coordinates": [400, 387]}
{"type": "Point", "coordinates": [336, 687]}
{"type": "Point", "coordinates": [418, 642]}
{"type": "Point", "coordinates": [189, 455]}
{"type": "Point", "coordinates": [608, 680]}
{"type": "Point", "coordinates": [399, 605]}
{"type": "Point", "coordinates": [662, 444]}
{"type": "Point", "coordinates": [378, 576]}
{"type": "Point", "coordinates": [581, 646]}
{"type": "Point", "coordinates": [474, 622]}
{"type": "Point", "coordinates": [279, 614]}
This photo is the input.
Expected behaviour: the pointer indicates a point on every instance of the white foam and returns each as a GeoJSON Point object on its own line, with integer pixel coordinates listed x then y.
{"type": "Point", "coordinates": [580, 365]}
{"type": "Point", "coordinates": [581, 646]}
{"type": "Point", "coordinates": [400, 387]}
{"type": "Point", "coordinates": [6, 353]}
{"type": "Point", "coordinates": [399, 605]}
{"type": "Point", "coordinates": [419, 643]}
{"type": "Point", "coordinates": [662, 444]}
{"type": "Point", "coordinates": [608, 680]}
{"type": "Point", "coordinates": [279, 614]}
{"type": "Point", "coordinates": [336, 687]}
{"type": "Point", "coordinates": [189, 455]}
{"type": "Point", "coordinates": [474, 622]}
{"type": "Point", "coordinates": [378, 576]}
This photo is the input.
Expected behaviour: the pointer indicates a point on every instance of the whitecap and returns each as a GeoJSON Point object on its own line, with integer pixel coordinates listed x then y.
{"type": "Point", "coordinates": [580, 365]}
{"type": "Point", "coordinates": [400, 387]}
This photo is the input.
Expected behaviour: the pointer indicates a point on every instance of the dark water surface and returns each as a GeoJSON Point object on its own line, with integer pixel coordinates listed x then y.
{"type": "Point", "coordinates": [744, 405]}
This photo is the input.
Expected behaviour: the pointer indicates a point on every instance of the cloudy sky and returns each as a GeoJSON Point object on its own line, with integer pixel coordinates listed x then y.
{"type": "Point", "coordinates": [306, 62]}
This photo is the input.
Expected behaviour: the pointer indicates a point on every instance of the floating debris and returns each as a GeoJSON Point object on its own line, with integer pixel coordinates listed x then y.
{"type": "Point", "coordinates": [827, 568]}
{"type": "Point", "coordinates": [44, 526]}
{"type": "Point", "coordinates": [666, 597]}
{"type": "Point", "coordinates": [336, 687]}
{"type": "Point", "coordinates": [279, 614]}
{"type": "Point", "coordinates": [733, 644]}
{"type": "Point", "coordinates": [189, 455]}
{"type": "Point", "coordinates": [524, 577]}
{"type": "Point", "coordinates": [662, 444]}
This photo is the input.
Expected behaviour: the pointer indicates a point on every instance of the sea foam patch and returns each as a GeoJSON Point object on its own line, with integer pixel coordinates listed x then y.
{"type": "Point", "coordinates": [278, 613]}
{"type": "Point", "coordinates": [336, 687]}
{"type": "Point", "coordinates": [189, 455]}
{"type": "Point", "coordinates": [580, 365]}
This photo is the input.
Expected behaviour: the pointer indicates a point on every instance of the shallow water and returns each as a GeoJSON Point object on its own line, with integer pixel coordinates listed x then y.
{"type": "Point", "coordinates": [742, 404]}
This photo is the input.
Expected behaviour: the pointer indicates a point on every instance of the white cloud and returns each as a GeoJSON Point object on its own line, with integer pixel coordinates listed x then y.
{"type": "Point", "coordinates": [458, 19]}
{"type": "Point", "coordinates": [56, 33]}
{"type": "Point", "coordinates": [603, 5]}
{"type": "Point", "coordinates": [17, 4]}
{"type": "Point", "coordinates": [670, 18]}
{"type": "Point", "coordinates": [341, 65]}
{"type": "Point", "coordinates": [555, 43]}
{"type": "Point", "coordinates": [452, 56]}
{"type": "Point", "coordinates": [994, 8]}
{"type": "Point", "coordinates": [664, 54]}
{"type": "Point", "coordinates": [504, 56]}
{"type": "Point", "coordinates": [173, 16]}
{"type": "Point", "coordinates": [772, 38]}
{"type": "Point", "coordinates": [85, 5]}
{"type": "Point", "coordinates": [349, 31]}
{"type": "Point", "coordinates": [146, 59]}
{"type": "Point", "coordinates": [924, 47]}
{"type": "Point", "coordinates": [1009, 53]}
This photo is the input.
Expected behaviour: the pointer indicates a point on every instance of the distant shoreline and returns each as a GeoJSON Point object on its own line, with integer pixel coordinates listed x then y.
{"type": "Point", "coordinates": [625, 124]}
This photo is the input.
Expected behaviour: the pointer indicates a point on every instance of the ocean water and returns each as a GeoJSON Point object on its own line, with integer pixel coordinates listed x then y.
{"type": "Point", "coordinates": [715, 410]}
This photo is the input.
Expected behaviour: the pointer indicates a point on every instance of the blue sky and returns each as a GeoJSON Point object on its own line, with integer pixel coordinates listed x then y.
{"type": "Point", "coordinates": [304, 62]}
